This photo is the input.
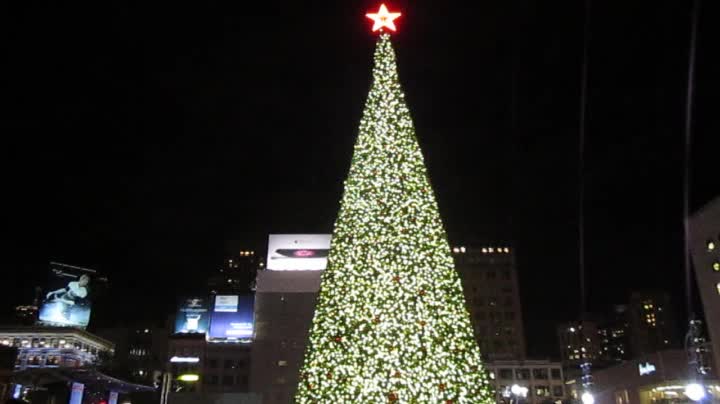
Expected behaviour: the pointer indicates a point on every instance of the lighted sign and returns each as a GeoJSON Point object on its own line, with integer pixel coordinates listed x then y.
{"type": "Point", "coordinates": [232, 318]}
{"type": "Point", "coordinates": [189, 378]}
{"type": "Point", "coordinates": [383, 19]}
{"type": "Point", "coordinates": [226, 303]}
{"type": "Point", "coordinates": [646, 368]}
{"type": "Point", "coordinates": [184, 359]}
{"type": "Point", "coordinates": [66, 301]}
{"type": "Point", "coordinates": [192, 316]}
{"type": "Point", "coordinates": [298, 252]}
{"type": "Point", "coordinates": [113, 398]}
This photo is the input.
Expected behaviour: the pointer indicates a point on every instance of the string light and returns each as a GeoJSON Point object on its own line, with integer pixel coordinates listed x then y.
{"type": "Point", "coordinates": [390, 323]}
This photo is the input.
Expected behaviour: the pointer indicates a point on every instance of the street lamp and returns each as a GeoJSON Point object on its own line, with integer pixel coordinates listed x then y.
{"type": "Point", "coordinates": [587, 398]}
{"type": "Point", "coordinates": [695, 391]}
{"type": "Point", "coordinates": [518, 393]}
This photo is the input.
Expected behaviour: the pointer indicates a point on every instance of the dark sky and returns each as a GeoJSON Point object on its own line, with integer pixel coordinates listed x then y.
{"type": "Point", "coordinates": [139, 137]}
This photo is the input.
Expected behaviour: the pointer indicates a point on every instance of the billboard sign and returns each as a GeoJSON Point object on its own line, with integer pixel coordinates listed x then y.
{"type": "Point", "coordinates": [193, 316]}
{"type": "Point", "coordinates": [298, 252]}
{"type": "Point", "coordinates": [232, 317]}
{"type": "Point", "coordinates": [66, 301]}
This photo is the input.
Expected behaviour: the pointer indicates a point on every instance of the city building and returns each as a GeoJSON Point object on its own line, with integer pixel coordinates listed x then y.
{"type": "Point", "coordinates": [659, 377]}
{"type": "Point", "coordinates": [7, 365]}
{"type": "Point", "coordinates": [284, 308]}
{"type": "Point", "coordinates": [705, 251]}
{"type": "Point", "coordinates": [543, 379]}
{"type": "Point", "coordinates": [237, 272]}
{"type": "Point", "coordinates": [490, 284]}
{"type": "Point", "coordinates": [579, 343]}
{"type": "Point", "coordinates": [26, 314]}
{"type": "Point", "coordinates": [614, 336]}
{"type": "Point", "coordinates": [140, 351]}
{"type": "Point", "coordinates": [55, 347]}
{"type": "Point", "coordinates": [653, 322]}
{"type": "Point", "coordinates": [211, 355]}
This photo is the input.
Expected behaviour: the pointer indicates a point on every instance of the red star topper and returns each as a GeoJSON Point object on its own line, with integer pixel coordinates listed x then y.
{"type": "Point", "coordinates": [383, 18]}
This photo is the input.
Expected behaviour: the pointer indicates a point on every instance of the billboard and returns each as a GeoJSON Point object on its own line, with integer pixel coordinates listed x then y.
{"type": "Point", "coordinates": [298, 252]}
{"type": "Point", "coordinates": [193, 316]}
{"type": "Point", "coordinates": [66, 301]}
{"type": "Point", "coordinates": [232, 317]}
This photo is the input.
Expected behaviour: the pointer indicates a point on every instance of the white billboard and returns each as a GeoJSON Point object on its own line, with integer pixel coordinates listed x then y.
{"type": "Point", "coordinates": [298, 252]}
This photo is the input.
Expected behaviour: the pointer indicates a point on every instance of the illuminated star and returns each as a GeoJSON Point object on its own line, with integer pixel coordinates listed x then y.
{"type": "Point", "coordinates": [383, 18]}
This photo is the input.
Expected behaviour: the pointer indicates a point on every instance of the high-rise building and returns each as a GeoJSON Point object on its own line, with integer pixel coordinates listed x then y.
{"type": "Point", "coordinates": [284, 307]}
{"type": "Point", "coordinates": [237, 272]}
{"type": "Point", "coordinates": [705, 250]}
{"type": "Point", "coordinates": [614, 336]}
{"type": "Point", "coordinates": [140, 351]}
{"type": "Point", "coordinates": [490, 283]}
{"type": "Point", "coordinates": [652, 322]}
{"type": "Point", "coordinates": [579, 343]}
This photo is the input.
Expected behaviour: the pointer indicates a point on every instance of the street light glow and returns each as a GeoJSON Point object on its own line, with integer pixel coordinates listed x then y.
{"type": "Point", "coordinates": [587, 398]}
{"type": "Point", "coordinates": [695, 391]}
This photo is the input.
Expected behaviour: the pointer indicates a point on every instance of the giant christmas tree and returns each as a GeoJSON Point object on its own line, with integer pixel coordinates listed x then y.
{"type": "Point", "coordinates": [390, 323]}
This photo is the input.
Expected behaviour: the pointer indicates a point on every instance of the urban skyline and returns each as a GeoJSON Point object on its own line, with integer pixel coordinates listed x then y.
{"type": "Point", "coordinates": [124, 181]}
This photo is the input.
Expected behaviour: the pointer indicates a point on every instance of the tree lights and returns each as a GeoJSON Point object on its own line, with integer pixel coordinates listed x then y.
{"type": "Point", "coordinates": [390, 323]}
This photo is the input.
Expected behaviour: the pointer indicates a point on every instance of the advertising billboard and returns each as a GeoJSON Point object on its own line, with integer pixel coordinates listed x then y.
{"type": "Point", "coordinates": [232, 317]}
{"type": "Point", "coordinates": [193, 316]}
{"type": "Point", "coordinates": [66, 301]}
{"type": "Point", "coordinates": [298, 252]}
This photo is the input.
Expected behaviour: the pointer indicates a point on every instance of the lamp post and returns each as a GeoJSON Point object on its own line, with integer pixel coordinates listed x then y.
{"type": "Point", "coordinates": [516, 394]}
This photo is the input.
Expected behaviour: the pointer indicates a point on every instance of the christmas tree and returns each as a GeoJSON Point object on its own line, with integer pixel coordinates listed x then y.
{"type": "Point", "coordinates": [390, 323]}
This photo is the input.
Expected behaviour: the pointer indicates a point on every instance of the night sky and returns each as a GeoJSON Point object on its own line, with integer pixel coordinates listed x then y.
{"type": "Point", "coordinates": [139, 137]}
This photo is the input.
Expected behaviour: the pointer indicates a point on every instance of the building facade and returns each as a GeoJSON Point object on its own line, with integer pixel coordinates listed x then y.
{"type": "Point", "coordinates": [237, 272]}
{"type": "Point", "coordinates": [579, 343]}
{"type": "Point", "coordinates": [490, 283]}
{"type": "Point", "coordinates": [705, 251]}
{"type": "Point", "coordinates": [284, 309]}
{"type": "Point", "coordinates": [543, 379]}
{"type": "Point", "coordinates": [55, 347]}
{"type": "Point", "coordinates": [614, 336]}
{"type": "Point", "coordinates": [659, 377]}
{"type": "Point", "coordinates": [140, 351]}
{"type": "Point", "coordinates": [653, 322]}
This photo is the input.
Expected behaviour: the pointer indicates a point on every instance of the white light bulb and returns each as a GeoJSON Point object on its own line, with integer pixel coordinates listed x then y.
{"type": "Point", "coordinates": [587, 398]}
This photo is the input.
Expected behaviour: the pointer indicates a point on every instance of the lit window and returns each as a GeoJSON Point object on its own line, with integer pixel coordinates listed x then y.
{"type": "Point", "coordinates": [456, 250]}
{"type": "Point", "coordinates": [462, 249]}
{"type": "Point", "coordinates": [491, 249]}
{"type": "Point", "coordinates": [716, 266]}
{"type": "Point", "coordinates": [710, 246]}
{"type": "Point", "coordinates": [484, 250]}
{"type": "Point", "coordinates": [718, 288]}
{"type": "Point", "coordinates": [282, 363]}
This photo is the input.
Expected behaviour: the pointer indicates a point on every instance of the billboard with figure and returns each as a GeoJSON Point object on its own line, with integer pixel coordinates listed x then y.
{"type": "Point", "coordinates": [298, 252]}
{"type": "Point", "coordinates": [66, 301]}
{"type": "Point", "coordinates": [193, 316]}
{"type": "Point", "coordinates": [232, 317]}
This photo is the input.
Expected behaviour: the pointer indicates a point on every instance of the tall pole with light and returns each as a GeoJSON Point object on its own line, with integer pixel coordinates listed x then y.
{"type": "Point", "coordinates": [586, 366]}
{"type": "Point", "coordinates": [695, 390]}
